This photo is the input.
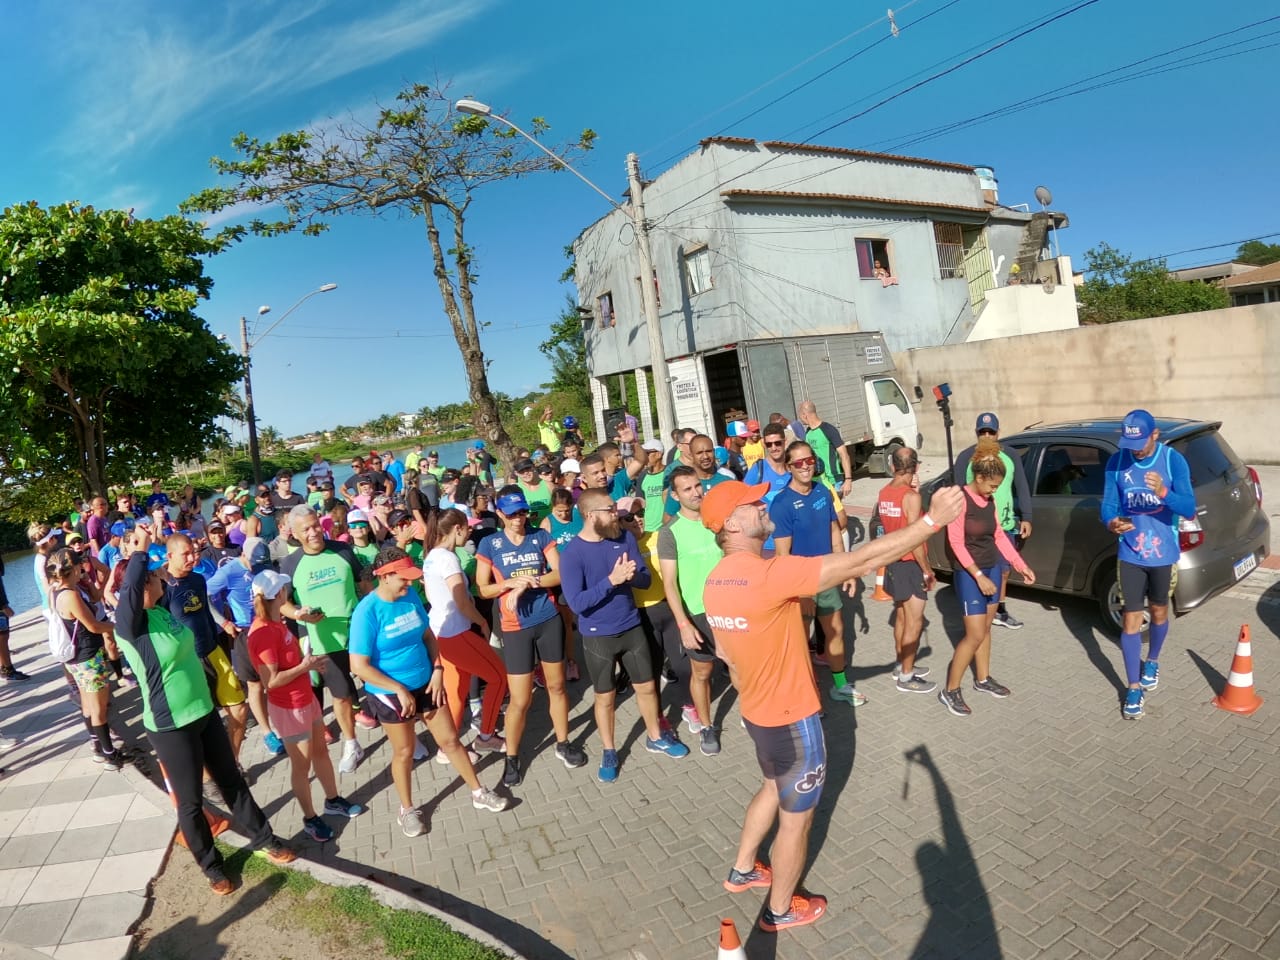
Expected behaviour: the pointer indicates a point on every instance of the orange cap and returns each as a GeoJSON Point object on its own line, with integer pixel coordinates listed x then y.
{"type": "Point", "coordinates": [724, 498]}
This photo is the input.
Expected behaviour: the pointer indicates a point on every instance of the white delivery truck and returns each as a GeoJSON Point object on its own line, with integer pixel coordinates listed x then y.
{"type": "Point", "coordinates": [849, 376]}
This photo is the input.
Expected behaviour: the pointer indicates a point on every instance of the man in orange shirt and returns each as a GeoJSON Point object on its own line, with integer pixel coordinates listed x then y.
{"type": "Point", "coordinates": [753, 607]}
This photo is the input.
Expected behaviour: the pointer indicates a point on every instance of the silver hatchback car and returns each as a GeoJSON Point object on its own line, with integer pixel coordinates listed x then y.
{"type": "Point", "coordinates": [1073, 553]}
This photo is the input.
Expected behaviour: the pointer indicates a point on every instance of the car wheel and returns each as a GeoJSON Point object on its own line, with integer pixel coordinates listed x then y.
{"type": "Point", "coordinates": [1106, 591]}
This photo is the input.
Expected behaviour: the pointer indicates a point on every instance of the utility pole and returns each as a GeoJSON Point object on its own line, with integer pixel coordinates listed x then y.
{"type": "Point", "coordinates": [649, 296]}
{"type": "Point", "coordinates": [248, 404]}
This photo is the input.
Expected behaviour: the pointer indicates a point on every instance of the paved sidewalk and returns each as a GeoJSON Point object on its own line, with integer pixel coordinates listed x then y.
{"type": "Point", "coordinates": [78, 844]}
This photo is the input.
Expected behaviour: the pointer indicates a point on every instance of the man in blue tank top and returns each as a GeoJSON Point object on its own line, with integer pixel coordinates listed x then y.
{"type": "Point", "coordinates": [1148, 488]}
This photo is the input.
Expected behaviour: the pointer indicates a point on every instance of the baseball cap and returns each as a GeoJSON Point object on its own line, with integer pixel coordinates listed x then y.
{"type": "Point", "coordinates": [157, 556]}
{"type": "Point", "coordinates": [326, 485]}
{"type": "Point", "coordinates": [434, 453]}
{"type": "Point", "coordinates": [381, 500]}
{"type": "Point", "coordinates": [356, 516]}
{"type": "Point", "coordinates": [737, 428]}
{"type": "Point", "coordinates": [215, 525]}
{"type": "Point", "coordinates": [257, 552]}
{"type": "Point", "coordinates": [231, 508]}
{"type": "Point", "coordinates": [75, 537]}
{"type": "Point", "coordinates": [753, 426]}
{"type": "Point", "coordinates": [479, 444]}
{"type": "Point", "coordinates": [523, 465]}
{"type": "Point", "coordinates": [269, 583]}
{"type": "Point", "coordinates": [449, 474]}
{"type": "Point", "coordinates": [724, 498]}
{"type": "Point", "coordinates": [511, 503]}
{"type": "Point", "coordinates": [1136, 429]}
{"type": "Point", "coordinates": [987, 421]}
{"type": "Point", "coordinates": [545, 469]}
{"type": "Point", "coordinates": [634, 505]}
{"type": "Point", "coordinates": [570, 466]}
{"type": "Point", "coordinates": [231, 492]}
{"type": "Point", "coordinates": [121, 527]}
{"type": "Point", "coordinates": [653, 445]}
{"type": "Point", "coordinates": [397, 517]}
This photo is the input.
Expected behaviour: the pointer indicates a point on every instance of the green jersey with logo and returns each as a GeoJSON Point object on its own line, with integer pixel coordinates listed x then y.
{"type": "Point", "coordinates": [326, 581]}
{"type": "Point", "coordinates": [652, 485]}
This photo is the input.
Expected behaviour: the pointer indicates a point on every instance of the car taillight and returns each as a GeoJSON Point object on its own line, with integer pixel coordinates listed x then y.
{"type": "Point", "coordinates": [1190, 533]}
{"type": "Point", "coordinates": [1257, 484]}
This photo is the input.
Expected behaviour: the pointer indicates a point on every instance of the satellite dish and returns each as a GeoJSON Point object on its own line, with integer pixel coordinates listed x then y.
{"type": "Point", "coordinates": [1044, 196]}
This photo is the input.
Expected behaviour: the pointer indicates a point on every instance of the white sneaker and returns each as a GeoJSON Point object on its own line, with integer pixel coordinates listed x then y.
{"type": "Point", "coordinates": [352, 754]}
{"type": "Point", "coordinates": [919, 671]}
{"type": "Point", "coordinates": [411, 822]}
{"type": "Point", "coordinates": [484, 799]}
{"type": "Point", "coordinates": [442, 758]}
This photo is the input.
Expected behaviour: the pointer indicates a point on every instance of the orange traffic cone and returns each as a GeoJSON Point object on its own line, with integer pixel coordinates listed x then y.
{"type": "Point", "coordinates": [880, 592]}
{"type": "Point", "coordinates": [1238, 696]}
{"type": "Point", "coordinates": [730, 945]}
{"type": "Point", "coordinates": [217, 824]}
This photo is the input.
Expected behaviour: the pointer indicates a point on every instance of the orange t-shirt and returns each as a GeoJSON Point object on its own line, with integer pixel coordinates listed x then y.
{"type": "Point", "coordinates": [753, 607]}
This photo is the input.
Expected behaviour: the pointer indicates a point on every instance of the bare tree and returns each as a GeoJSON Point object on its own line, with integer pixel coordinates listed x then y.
{"type": "Point", "coordinates": [417, 159]}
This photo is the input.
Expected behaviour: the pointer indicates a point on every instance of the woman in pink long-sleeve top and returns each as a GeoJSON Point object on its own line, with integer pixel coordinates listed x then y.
{"type": "Point", "coordinates": [979, 549]}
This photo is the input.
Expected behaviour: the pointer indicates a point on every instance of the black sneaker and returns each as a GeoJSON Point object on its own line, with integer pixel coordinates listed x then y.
{"type": "Point", "coordinates": [954, 701]}
{"type": "Point", "coordinates": [511, 775]}
{"type": "Point", "coordinates": [992, 686]}
{"type": "Point", "coordinates": [570, 755]}
{"type": "Point", "coordinates": [112, 760]}
{"type": "Point", "coordinates": [12, 676]}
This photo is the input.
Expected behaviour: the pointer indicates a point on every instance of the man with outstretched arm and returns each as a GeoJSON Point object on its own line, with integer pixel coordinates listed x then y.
{"type": "Point", "coordinates": [753, 607]}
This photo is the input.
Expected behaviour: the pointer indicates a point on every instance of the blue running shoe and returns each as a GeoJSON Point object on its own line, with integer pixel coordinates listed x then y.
{"type": "Point", "coordinates": [668, 744]}
{"type": "Point", "coordinates": [275, 746]}
{"type": "Point", "coordinates": [608, 772]}
{"type": "Point", "coordinates": [1133, 704]}
{"type": "Point", "coordinates": [1150, 678]}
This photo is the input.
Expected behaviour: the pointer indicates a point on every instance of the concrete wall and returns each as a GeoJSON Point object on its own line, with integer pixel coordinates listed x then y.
{"type": "Point", "coordinates": [1026, 308]}
{"type": "Point", "coordinates": [1217, 365]}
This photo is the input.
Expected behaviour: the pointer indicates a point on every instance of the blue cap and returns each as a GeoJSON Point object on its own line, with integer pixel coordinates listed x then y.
{"type": "Point", "coordinates": [121, 527]}
{"type": "Point", "coordinates": [511, 503]}
{"type": "Point", "coordinates": [570, 423]}
{"type": "Point", "coordinates": [987, 421]}
{"type": "Point", "coordinates": [722, 456]}
{"type": "Point", "coordinates": [1136, 430]}
{"type": "Point", "coordinates": [157, 556]}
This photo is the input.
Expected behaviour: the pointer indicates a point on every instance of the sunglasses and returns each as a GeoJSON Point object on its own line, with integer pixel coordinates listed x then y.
{"type": "Point", "coordinates": [519, 513]}
{"type": "Point", "coordinates": [804, 462]}
{"type": "Point", "coordinates": [775, 443]}
{"type": "Point", "coordinates": [626, 517]}
{"type": "Point", "coordinates": [986, 433]}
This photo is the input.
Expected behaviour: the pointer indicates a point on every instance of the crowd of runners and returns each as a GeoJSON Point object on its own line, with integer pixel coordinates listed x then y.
{"type": "Point", "coordinates": [446, 594]}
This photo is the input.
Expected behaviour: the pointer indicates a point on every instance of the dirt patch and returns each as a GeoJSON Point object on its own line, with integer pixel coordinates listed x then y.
{"type": "Point", "coordinates": [279, 914]}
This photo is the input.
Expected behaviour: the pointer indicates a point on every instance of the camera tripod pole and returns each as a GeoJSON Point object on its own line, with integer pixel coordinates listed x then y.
{"type": "Point", "coordinates": [945, 406]}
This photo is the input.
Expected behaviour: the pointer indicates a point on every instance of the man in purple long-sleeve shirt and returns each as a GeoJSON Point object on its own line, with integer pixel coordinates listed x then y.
{"type": "Point", "coordinates": [598, 568]}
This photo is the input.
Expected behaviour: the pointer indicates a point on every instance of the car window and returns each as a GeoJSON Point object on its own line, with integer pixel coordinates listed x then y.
{"type": "Point", "coordinates": [888, 395]}
{"type": "Point", "coordinates": [1210, 457]}
{"type": "Point", "coordinates": [1072, 470]}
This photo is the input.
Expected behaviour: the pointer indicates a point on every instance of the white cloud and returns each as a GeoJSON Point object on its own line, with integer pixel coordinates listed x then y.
{"type": "Point", "coordinates": [145, 80]}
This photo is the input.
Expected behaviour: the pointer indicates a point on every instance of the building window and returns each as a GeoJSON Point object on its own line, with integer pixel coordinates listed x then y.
{"type": "Point", "coordinates": [950, 240]}
{"type": "Point", "coordinates": [873, 259]}
{"type": "Point", "coordinates": [697, 267]}
{"type": "Point", "coordinates": [657, 291]}
{"type": "Point", "coordinates": [604, 308]}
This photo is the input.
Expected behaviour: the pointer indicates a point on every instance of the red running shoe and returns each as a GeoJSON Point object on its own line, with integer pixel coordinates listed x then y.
{"type": "Point", "coordinates": [366, 720]}
{"type": "Point", "coordinates": [758, 876]}
{"type": "Point", "coordinates": [803, 910]}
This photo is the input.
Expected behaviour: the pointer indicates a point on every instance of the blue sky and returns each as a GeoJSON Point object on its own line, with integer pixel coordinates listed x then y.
{"type": "Point", "coordinates": [123, 104]}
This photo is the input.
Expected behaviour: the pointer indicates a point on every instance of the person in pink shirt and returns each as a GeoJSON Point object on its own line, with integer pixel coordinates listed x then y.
{"type": "Point", "coordinates": [979, 550]}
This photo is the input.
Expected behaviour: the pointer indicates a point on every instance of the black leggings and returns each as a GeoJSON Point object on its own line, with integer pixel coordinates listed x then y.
{"type": "Point", "coordinates": [664, 636]}
{"type": "Point", "coordinates": [184, 753]}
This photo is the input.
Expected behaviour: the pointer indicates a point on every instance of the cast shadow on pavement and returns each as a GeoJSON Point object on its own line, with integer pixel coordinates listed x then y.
{"type": "Point", "coordinates": [1269, 609]}
{"type": "Point", "coordinates": [1080, 617]}
{"type": "Point", "coordinates": [1216, 681]}
{"type": "Point", "coordinates": [961, 923]}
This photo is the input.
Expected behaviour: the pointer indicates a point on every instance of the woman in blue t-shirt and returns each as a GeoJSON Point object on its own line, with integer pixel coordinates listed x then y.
{"type": "Point", "coordinates": [393, 652]}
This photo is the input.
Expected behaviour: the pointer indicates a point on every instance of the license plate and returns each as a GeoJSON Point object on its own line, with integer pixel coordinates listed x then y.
{"type": "Point", "coordinates": [1245, 566]}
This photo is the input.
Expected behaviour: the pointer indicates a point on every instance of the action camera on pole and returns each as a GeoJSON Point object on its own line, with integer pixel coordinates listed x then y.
{"type": "Point", "coordinates": [942, 393]}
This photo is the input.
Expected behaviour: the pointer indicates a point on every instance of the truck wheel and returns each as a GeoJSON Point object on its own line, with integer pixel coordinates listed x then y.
{"type": "Point", "coordinates": [1106, 590]}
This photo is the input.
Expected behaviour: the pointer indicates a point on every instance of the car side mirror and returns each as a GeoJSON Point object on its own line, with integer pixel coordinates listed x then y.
{"type": "Point", "coordinates": [919, 392]}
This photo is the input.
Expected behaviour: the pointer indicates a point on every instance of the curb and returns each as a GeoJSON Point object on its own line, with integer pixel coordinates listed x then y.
{"type": "Point", "coordinates": [336, 878]}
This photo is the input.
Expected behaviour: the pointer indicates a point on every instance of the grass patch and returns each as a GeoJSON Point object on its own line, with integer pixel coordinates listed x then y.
{"type": "Point", "coordinates": [350, 917]}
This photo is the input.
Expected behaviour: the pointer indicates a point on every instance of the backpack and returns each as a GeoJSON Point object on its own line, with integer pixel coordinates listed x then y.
{"type": "Point", "coordinates": [62, 645]}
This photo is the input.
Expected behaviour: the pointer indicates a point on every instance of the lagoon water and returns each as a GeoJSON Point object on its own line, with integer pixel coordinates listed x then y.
{"type": "Point", "coordinates": [19, 568]}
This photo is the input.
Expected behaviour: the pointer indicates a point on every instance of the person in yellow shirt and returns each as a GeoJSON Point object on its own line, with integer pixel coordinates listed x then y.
{"type": "Point", "coordinates": [753, 449]}
{"type": "Point", "coordinates": [547, 434]}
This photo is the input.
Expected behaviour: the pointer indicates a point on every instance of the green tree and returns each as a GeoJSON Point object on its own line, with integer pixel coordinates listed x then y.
{"type": "Point", "coordinates": [271, 440]}
{"type": "Point", "coordinates": [418, 159]}
{"type": "Point", "coordinates": [566, 348]}
{"type": "Point", "coordinates": [1257, 253]}
{"type": "Point", "coordinates": [114, 375]}
{"type": "Point", "coordinates": [1117, 287]}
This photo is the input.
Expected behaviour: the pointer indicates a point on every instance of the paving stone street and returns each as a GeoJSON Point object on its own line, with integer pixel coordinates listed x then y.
{"type": "Point", "coordinates": [1044, 826]}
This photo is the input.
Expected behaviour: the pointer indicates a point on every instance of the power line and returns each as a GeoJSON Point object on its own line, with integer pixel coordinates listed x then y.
{"type": "Point", "coordinates": [1212, 246]}
{"type": "Point", "coordinates": [768, 83]}
{"type": "Point", "coordinates": [1022, 34]}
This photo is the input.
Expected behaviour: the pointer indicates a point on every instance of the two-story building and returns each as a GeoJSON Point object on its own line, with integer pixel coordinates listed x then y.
{"type": "Point", "coordinates": [756, 240]}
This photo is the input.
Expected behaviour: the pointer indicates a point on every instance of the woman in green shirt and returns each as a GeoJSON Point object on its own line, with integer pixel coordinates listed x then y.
{"type": "Point", "coordinates": [180, 719]}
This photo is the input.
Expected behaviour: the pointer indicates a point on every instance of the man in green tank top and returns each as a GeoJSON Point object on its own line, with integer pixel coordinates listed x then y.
{"type": "Point", "coordinates": [537, 492]}
{"type": "Point", "coordinates": [653, 482]}
{"type": "Point", "coordinates": [325, 586]}
{"type": "Point", "coordinates": [687, 553]}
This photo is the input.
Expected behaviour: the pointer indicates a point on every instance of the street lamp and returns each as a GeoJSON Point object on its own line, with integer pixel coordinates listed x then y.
{"type": "Point", "coordinates": [634, 211]}
{"type": "Point", "coordinates": [246, 348]}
